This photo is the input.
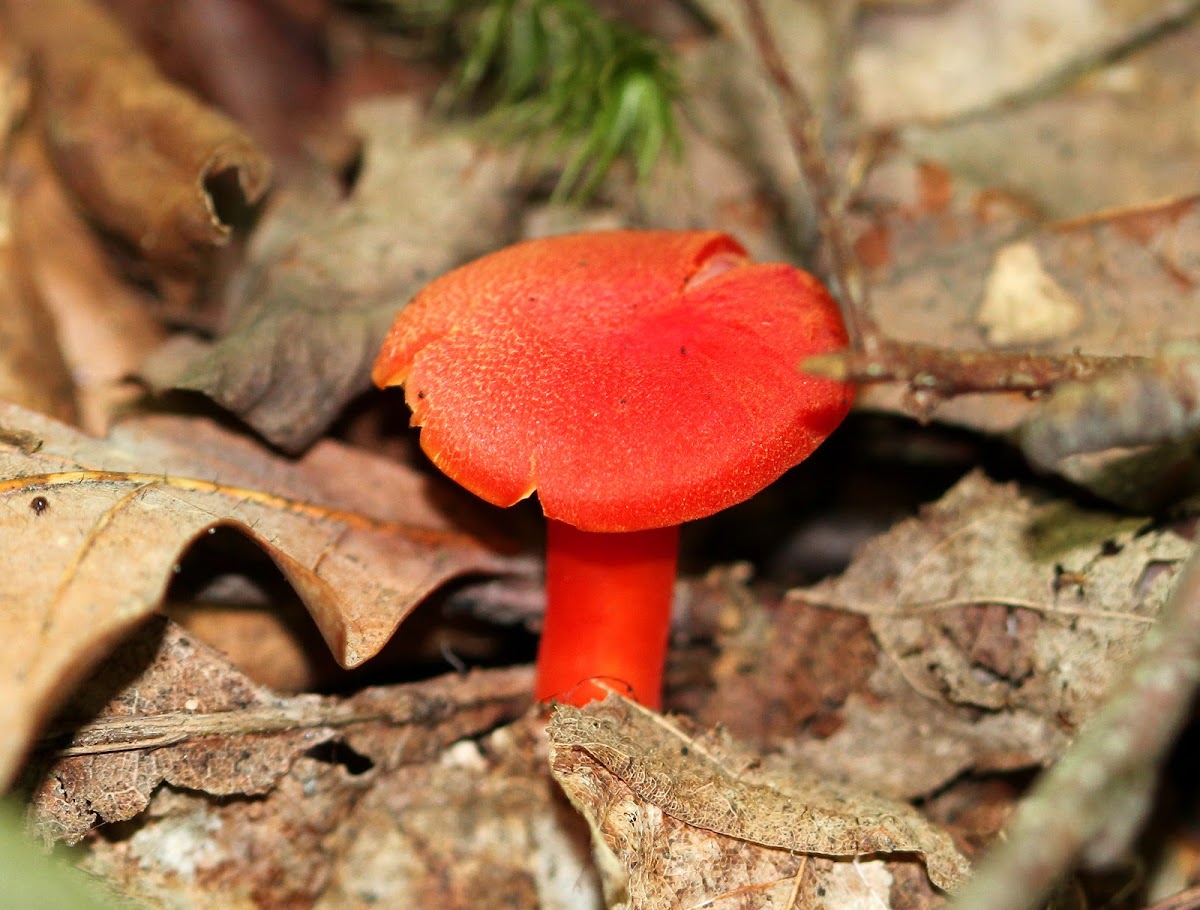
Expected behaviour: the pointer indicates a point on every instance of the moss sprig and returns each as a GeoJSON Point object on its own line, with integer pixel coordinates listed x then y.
{"type": "Point", "coordinates": [559, 74]}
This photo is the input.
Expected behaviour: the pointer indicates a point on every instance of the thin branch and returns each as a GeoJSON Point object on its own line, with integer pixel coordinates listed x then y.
{"type": "Point", "coordinates": [804, 132]}
{"type": "Point", "coordinates": [934, 374]}
{"type": "Point", "coordinates": [1091, 803]}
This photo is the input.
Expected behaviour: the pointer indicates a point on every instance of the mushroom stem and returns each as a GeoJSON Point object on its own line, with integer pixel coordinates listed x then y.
{"type": "Point", "coordinates": [608, 612]}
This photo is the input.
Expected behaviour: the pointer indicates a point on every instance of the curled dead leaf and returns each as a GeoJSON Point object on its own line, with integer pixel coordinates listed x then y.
{"type": "Point", "coordinates": [97, 528]}
{"type": "Point", "coordinates": [100, 322]}
{"type": "Point", "coordinates": [32, 370]}
{"type": "Point", "coordinates": [1156, 404]}
{"type": "Point", "coordinates": [137, 151]}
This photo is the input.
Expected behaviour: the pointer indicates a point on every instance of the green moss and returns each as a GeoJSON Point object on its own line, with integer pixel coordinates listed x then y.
{"type": "Point", "coordinates": [559, 75]}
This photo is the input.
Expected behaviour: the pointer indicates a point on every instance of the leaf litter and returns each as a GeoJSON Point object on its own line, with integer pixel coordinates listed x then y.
{"type": "Point", "coordinates": [940, 249]}
{"type": "Point", "coordinates": [135, 149]}
{"type": "Point", "coordinates": [168, 709]}
{"type": "Point", "coordinates": [634, 775]}
{"type": "Point", "coordinates": [992, 599]}
{"type": "Point", "coordinates": [951, 668]}
{"type": "Point", "coordinates": [1002, 622]}
{"type": "Point", "coordinates": [326, 275]}
{"type": "Point", "coordinates": [229, 767]}
{"type": "Point", "coordinates": [76, 507]}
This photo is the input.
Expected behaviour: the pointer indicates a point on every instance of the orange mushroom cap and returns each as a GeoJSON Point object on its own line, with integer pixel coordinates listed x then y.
{"type": "Point", "coordinates": [634, 379]}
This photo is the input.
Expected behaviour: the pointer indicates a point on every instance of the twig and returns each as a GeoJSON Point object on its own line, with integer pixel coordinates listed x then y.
{"type": "Point", "coordinates": [918, 608]}
{"type": "Point", "coordinates": [804, 132]}
{"type": "Point", "coordinates": [412, 704]}
{"type": "Point", "coordinates": [1092, 801]}
{"type": "Point", "coordinates": [933, 373]}
{"type": "Point", "coordinates": [794, 894]}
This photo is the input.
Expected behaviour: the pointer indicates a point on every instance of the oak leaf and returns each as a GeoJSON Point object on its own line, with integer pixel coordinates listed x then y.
{"type": "Point", "coordinates": [93, 530]}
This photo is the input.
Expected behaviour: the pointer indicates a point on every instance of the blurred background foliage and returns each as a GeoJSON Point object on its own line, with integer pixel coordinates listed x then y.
{"type": "Point", "coordinates": [556, 74]}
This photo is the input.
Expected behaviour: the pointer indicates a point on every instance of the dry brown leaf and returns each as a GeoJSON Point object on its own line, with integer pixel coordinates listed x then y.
{"type": "Point", "coordinates": [479, 826]}
{"type": "Point", "coordinates": [995, 600]}
{"type": "Point", "coordinates": [905, 747]}
{"type": "Point", "coordinates": [327, 275]}
{"type": "Point", "coordinates": [989, 600]}
{"type": "Point", "coordinates": [15, 87]}
{"type": "Point", "coordinates": [134, 149]}
{"type": "Point", "coordinates": [97, 526]}
{"type": "Point", "coordinates": [656, 862]}
{"type": "Point", "coordinates": [1127, 435]}
{"type": "Point", "coordinates": [32, 371]}
{"type": "Point", "coordinates": [216, 773]}
{"type": "Point", "coordinates": [100, 322]}
{"type": "Point", "coordinates": [707, 783]}
{"type": "Point", "coordinates": [279, 88]}
{"type": "Point", "coordinates": [967, 268]}
{"type": "Point", "coordinates": [167, 709]}
{"type": "Point", "coordinates": [1122, 135]}
{"type": "Point", "coordinates": [968, 55]}
{"type": "Point", "coordinates": [484, 826]}
{"type": "Point", "coordinates": [942, 256]}
{"type": "Point", "coordinates": [784, 670]}
{"type": "Point", "coordinates": [270, 852]}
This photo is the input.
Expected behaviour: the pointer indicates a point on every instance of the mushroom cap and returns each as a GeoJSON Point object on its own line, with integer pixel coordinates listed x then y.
{"type": "Point", "coordinates": [634, 379]}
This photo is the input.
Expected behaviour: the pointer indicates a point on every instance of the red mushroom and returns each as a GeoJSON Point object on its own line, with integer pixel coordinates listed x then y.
{"type": "Point", "coordinates": [636, 380]}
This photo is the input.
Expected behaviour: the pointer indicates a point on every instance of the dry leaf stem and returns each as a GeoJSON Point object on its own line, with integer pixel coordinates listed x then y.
{"type": "Point", "coordinates": [1094, 799]}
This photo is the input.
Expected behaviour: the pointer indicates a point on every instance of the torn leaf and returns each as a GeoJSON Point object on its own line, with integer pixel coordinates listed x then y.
{"type": "Point", "coordinates": [706, 783]}
{"type": "Point", "coordinates": [170, 710]}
